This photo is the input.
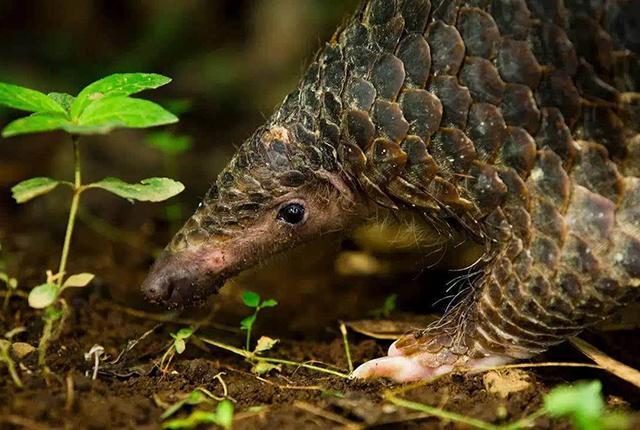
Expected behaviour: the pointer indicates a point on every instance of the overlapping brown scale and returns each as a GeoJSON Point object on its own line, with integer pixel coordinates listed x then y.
{"type": "Point", "coordinates": [549, 180]}
{"type": "Point", "coordinates": [549, 11]}
{"type": "Point", "coordinates": [357, 128]}
{"type": "Point", "coordinates": [512, 17]}
{"type": "Point", "coordinates": [595, 172]}
{"type": "Point", "coordinates": [389, 120]}
{"type": "Point", "coordinates": [388, 76]}
{"type": "Point", "coordinates": [453, 151]}
{"type": "Point", "coordinates": [485, 188]}
{"type": "Point", "coordinates": [518, 194]}
{"type": "Point", "coordinates": [601, 124]}
{"type": "Point", "coordinates": [519, 108]}
{"type": "Point", "coordinates": [380, 11]}
{"type": "Point", "coordinates": [423, 111]}
{"type": "Point", "coordinates": [578, 255]}
{"type": "Point", "coordinates": [407, 192]}
{"type": "Point", "coordinates": [590, 216]}
{"type": "Point", "coordinates": [415, 55]}
{"type": "Point", "coordinates": [385, 37]}
{"type": "Point", "coordinates": [415, 14]}
{"type": "Point", "coordinates": [555, 134]}
{"type": "Point", "coordinates": [333, 69]}
{"type": "Point", "coordinates": [479, 32]}
{"type": "Point", "coordinates": [546, 219]}
{"type": "Point", "coordinates": [446, 193]}
{"type": "Point", "coordinates": [518, 150]}
{"type": "Point", "coordinates": [482, 79]}
{"type": "Point", "coordinates": [520, 221]}
{"type": "Point", "coordinates": [517, 64]}
{"type": "Point", "coordinates": [455, 99]}
{"type": "Point", "coordinates": [387, 157]}
{"type": "Point", "coordinates": [421, 167]}
{"type": "Point", "coordinates": [359, 94]}
{"type": "Point", "coordinates": [592, 42]}
{"type": "Point", "coordinates": [552, 46]}
{"type": "Point", "coordinates": [592, 87]}
{"type": "Point", "coordinates": [445, 10]}
{"type": "Point", "coordinates": [558, 90]}
{"type": "Point", "coordinates": [487, 129]}
{"type": "Point", "coordinates": [447, 48]}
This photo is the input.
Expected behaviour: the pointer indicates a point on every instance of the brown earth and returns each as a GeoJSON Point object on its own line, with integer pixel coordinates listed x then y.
{"type": "Point", "coordinates": [133, 392]}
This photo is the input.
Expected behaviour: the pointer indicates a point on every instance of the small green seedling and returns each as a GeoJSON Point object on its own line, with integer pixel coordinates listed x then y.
{"type": "Point", "coordinates": [223, 417]}
{"type": "Point", "coordinates": [9, 282]}
{"type": "Point", "coordinates": [583, 404]}
{"type": "Point", "coordinates": [172, 146]}
{"type": "Point", "coordinates": [252, 300]}
{"type": "Point", "coordinates": [5, 355]}
{"type": "Point", "coordinates": [387, 307]}
{"type": "Point", "coordinates": [177, 347]}
{"type": "Point", "coordinates": [98, 109]}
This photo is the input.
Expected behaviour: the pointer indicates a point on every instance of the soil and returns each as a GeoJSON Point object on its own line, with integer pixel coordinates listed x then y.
{"type": "Point", "coordinates": [131, 391]}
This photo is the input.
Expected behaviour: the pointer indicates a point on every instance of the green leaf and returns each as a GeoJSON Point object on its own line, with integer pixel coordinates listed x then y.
{"type": "Point", "coordinates": [36, 123]}
{"type": "Point", "coordinates": [179, 345]}
{"type": "Point", "coordinates": [195, 419]}
{"type": "Point", "coordinates": [53, 314]}
{"type": "Point", "coordinates": [251, 299]}
{"type": "Point", "coordinates": [91, 129]}
{"type": "Point", "coordinates": [269, 303]}
{"type": "Point", "coordinates": [265, 344]}
{"type": "Point", "coordinates": [224, 413]}
{"type": "Point", "coordinates": [262, 368]}
{"type": "Point", "coordinates": [248, 322]}
{"type": "Point", "coordinates": [43, 295]}
{"type": "Point", "coordinates": [119, 84]}
{"type": "Point", "coordinates": [32, 188]}
{"type": "Point", "coordinates": [27, 99]}
{"type": "Point", "coordinates": [125, 112]}
{"type": "Point", "coordinates": [63, 99]}
{"type": "Point", "coordinates": [148, 190]}
{"type": "Point", "coordinates": [78, 281]}
{"type": "Point", "coordinates": [581, 402]}
{"type": "Point", "coordinates": [169, 143]}
{"type": "Point", "coordinates": [194, 398]}
{"type": "Point", "coordinates": [184, 333]}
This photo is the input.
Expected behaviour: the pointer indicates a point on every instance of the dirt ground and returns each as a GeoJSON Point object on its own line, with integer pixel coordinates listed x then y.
{"type": "Point", "coordinates": [130, 390]}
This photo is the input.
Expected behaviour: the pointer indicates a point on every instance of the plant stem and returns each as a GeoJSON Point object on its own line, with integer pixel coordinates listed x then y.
{"type": "Point", "coordinates": [441, 413]}
{"type": "Point", "coordinates": [44, 341]}
{"type": "Point", "coordinates": [347, 350]}
{"type": "Point", "coordinates": [252, 357]}
{"type": "Point", "coordinates": [248, 343]}
{"type": "Point", "coordinates": [77, 190]}
{"type": "Point", "coordinates": [6, 358]}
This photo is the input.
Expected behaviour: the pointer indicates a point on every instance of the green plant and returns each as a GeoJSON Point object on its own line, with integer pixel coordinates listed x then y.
{"type": "Point", "coordinates": [171, 146]}
{"type": "Point", "coordinates": [583, 404]}
{"type": "Point", "coordinates": [252, 300]}
{"type": "Point", "coordinates": [5, 355]}
{"type": "Point", "coordinates": [387, 307]}
{"type": "Point", "coordinates": [222, 416]}
{"type": "Point", "coordinates": [99, 108]}
{"type": "Point", "coordinates": [177, 346]}
{"type": "Point", "coordinates": [9, 282]}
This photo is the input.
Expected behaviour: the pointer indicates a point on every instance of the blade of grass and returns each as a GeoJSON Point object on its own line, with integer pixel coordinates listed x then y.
{"type": "Point", "coordinates": [347, 350]}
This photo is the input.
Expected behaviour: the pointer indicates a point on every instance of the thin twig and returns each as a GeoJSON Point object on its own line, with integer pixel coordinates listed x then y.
{"type": "Point", "coordinates": [347, 350]}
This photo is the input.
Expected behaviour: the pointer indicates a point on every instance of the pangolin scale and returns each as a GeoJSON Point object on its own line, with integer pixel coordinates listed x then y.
{"type": "Point", "coordinates": [515, 121]}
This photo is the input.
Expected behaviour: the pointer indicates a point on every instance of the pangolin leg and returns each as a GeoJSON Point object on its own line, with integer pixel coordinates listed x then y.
{"type": "Point", "coordinates": [566, 256]}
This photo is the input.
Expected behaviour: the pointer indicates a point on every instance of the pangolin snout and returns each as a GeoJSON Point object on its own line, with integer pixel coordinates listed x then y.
{"type": "Point", "coordinates": [183, 278]}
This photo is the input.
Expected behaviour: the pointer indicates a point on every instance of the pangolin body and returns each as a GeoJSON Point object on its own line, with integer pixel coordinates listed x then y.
{"type": "Point", "coordinates": [517, 121]}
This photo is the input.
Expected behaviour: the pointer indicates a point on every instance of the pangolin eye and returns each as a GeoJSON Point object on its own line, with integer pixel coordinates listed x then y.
{"type": "Point", "coordinates": [292, 213]}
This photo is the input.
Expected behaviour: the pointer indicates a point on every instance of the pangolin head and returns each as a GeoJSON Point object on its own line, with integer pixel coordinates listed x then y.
{"type": "Point", "coordinates": [276, 192]}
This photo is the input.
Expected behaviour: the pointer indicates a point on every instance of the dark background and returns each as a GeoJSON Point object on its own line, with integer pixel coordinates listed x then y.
{"type": "Point", "coordinates": [232, 61]}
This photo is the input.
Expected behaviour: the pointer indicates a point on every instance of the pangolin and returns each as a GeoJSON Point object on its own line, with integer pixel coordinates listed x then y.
{"type": "Point", "coordinates": [514, 121]}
